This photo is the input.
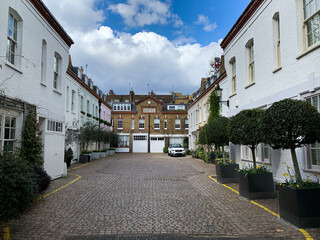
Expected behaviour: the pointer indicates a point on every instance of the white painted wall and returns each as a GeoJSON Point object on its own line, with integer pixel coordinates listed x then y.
{"type": "Point", "coordinates": [23, 81]}
{"type": "Point", "coordinates": [298, 77]}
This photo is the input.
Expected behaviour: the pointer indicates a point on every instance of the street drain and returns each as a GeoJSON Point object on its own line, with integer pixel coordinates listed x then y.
{"type": "Point", "coordinates": [210, 226]}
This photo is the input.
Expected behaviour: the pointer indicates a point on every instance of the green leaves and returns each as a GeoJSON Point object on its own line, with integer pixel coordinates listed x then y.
{"type": "Point", "coordinates": [214, 106]}
{"type": "Point", "coordinates": [218, 131]}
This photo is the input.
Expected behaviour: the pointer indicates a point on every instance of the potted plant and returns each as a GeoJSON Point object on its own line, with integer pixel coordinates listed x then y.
{"type": "Point", "coordinates": [247, 128]}
{"type": "Point", "coordinates": [218, 134]}
{"type": "Point", "coordinates": [95, 154]}
{"type": "Point", "coordinates": [86, 135]}
{"type": "Point", "coordinates": [291, 124]}
{"type": "Point", "coordinates": [68, 156]}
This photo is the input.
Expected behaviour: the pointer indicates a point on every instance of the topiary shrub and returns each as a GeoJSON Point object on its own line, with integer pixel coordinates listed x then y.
{"type": "Point", "coordinates": [165, 149]}
{"type": "Point", "coordinates": [68, 156]}
{"type": "Point", "coordinates": [290, 124]}
{"type": "Point", "coordinates": [247, 128]}
{"type": "Point", "coordinates": [41, 178]}
{"type": "Point", "coordinates": [17, 188]}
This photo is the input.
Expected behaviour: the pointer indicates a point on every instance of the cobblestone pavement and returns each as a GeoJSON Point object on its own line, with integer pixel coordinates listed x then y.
{"type": "Point", "coordinates": [148, 196]}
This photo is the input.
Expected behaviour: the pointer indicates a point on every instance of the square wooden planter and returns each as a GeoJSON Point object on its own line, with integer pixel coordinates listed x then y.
{"type": "Point", "coordinates": [95, 155]}
{"type": "Point", "coordinates": [300, 206]}
{"type": "Point", "coordinates": [227, 173]}
{"type": "Point", "coordinates": [84, 158]}
{"type": "Point", "coordinates": [256, 186]}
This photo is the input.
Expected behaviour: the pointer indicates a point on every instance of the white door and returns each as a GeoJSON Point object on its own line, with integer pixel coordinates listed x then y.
{"type": "Point", "coordinates": [156, 144]}
{"type": "Point", "coordinates": [140, 144]}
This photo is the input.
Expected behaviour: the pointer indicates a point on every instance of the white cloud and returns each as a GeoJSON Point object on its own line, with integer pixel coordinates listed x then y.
{"type": "Point", "coordinates": [204, 20]}
{"type": "Point", "coordinates": [77, 15]}
{"type": "Point", "coordinates": [145, 12]}
{"type": "Point", "coordinates": [116, 59]}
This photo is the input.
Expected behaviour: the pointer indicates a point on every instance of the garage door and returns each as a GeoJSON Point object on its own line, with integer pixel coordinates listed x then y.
{"type": "Point", "coordinates": [140, 144]}
{"type": "Point", "coordinates": [156, 144]}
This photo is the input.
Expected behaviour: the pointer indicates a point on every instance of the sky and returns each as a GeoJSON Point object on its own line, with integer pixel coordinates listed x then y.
{"type": "Point", "coordinates": [160, 45]}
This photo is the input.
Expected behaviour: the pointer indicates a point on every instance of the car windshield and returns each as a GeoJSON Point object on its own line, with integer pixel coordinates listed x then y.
{"type": "Point", "coordinates": [176, 146]}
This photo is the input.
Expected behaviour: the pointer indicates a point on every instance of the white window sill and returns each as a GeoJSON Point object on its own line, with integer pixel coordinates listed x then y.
{"type": "Point", "coordinates": [57, 91]}
{"type": "Point", "coordinates": [310, 170]}
{"type": "Point", "coordinates": [10, 65]}
{"type": "Point", "coordinates": [120, 128]}
{"type": "Point", "coordinates": [277, 69]}
{"type": "Point", "coordinates": [258, 161]}
{"type": "Point", "coordinates": [249, 85]}
{"type": "Point", "coordinates": [309, 50]}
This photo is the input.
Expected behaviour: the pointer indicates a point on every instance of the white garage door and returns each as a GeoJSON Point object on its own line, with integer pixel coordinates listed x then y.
{"type": "Point", "coordinates": [140, 144]}
{"type": "Point", "coordinates": [156, 144]}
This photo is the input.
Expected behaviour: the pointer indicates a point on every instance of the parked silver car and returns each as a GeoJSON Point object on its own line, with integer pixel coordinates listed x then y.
{"type": "Point", "coordinates": [176, 150]}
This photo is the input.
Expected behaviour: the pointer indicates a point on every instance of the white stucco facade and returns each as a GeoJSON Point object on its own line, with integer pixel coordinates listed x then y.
{"type": "Point", "coordinates": [284, 67]}
{"type": "Point", "coordinates": [28, 74]}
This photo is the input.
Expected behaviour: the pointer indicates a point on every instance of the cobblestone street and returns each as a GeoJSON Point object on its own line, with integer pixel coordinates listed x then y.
{"type": "Point", "coordinates": [144, 194]}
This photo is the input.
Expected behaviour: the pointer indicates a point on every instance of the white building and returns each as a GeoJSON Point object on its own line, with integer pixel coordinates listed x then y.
{"type": "Point", "coordinates": [272, 53]}
{"type": "Point", "coordinates": [34, 52]}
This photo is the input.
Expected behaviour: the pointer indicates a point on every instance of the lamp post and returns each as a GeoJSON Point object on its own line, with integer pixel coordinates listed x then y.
{"type": "Point", "coordinates": [218, 92]}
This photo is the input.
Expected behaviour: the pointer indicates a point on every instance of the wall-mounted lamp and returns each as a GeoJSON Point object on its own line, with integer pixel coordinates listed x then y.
{"type": "Point", "coordinates": [218, 92]}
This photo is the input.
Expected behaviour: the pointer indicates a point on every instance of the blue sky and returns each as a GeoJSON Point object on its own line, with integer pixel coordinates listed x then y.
{"type": "Point", "coordinates": [130, 43]}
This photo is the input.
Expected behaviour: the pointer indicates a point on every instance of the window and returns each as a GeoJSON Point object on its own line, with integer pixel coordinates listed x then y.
{"type": "Point", "coordinates": [67, 99]}
{"type": "Point", "coordinates": [93, 109]}
{"type": "Point", "coordinates": [132, 123]}
{"type": "Point", "coordinates": [141, 123]}
{"type": "Point", "coordinates": [276, 32]}
{"type": "Point", "coordinates": [140, 138]}
{"type": "Point", "coordinates": [233, 76]}
{"type": "Point", "coordinates": [73, 99]}
{"type": "Point", "coordinates": [57, 71]}
{"type": "Point", "coordinates": [82, 103]}
{"type": "Point", "coordinates": [165, 124]}
{"type": "Point", "coordinates": [44, 62]}
{"type": "Point", "coordinates": [7, 132]}
{"type": "Point", "coordinates": [156, 124]}
{"type": "Point", "coordinates": [186, 123]}
{"type": "Point", "coordinates": [251, 61]}
{"type": "Point", "coordinates": [88, 106]}
{"type": "Point", "coordinates": [262, 153]}
{"type": "Point", "coordinates": [204, 112]}
{"type": "Point", "coordinates": [171, 108]}
{"type": "Point", "coordinates": [120, 123]}
{"type": "Point", "coordinates": [200, 115]}
{"type": "Point", "coordinates": [314, 149]}
{"type": "Point", "coordinates": [126, 100]}
{"type": "Point", "coordinates": [177, 123]}
{"type": "Point", "coordinates": [116, 100]}
{"type": "Point", "coordinates": [54, 126]}
{"type": "Point", "coordinates": [97, 114]}
{"type": "Point", "coordinates": [123, 141]}
{"type": "Point", "coordinates": [12, 43]}
{"type": "Point", "coordinates": [311, 9]}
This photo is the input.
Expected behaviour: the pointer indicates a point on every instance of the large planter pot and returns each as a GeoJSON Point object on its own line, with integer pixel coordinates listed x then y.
{"type": "Point", "coordinates": [212, 157]}
{"type": "Point", "coordinates": [95, 155]}
{"type": "Point", "coordinates": [84, 158]}
{"type": "Point", "coordinates": [108, 153]}
{"type": "Point", "coordinates": [256, 186]}
{"type": "Point", "coordinates": [300, 206]}
{"type": "Point", "coordinates": [227, 173]}
{"type": "Point", "coordinates": [102, 154]}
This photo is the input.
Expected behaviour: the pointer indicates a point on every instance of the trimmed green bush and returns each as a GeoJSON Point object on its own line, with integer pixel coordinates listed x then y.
{"type": "Point", "coordinates": [165, 149]}
{"type": "Point", "coordinates": [41, 178]}
{"type": "Point", "coordinates": [17, 188]}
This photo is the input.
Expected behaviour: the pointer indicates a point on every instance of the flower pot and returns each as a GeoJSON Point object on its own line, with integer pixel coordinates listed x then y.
{"type": "Point", "coordinates": [256, 186]}
{"type": "Point", "coordinates": [102, 154]}
{"type": "Point", "coordinates": [84, 158]}
{"type": "Point", "coordinates": [95, 155]}
{"type": "Point", "coordinates": [227, 173]}
{"type": "Point", "coordinates": [300, 206]}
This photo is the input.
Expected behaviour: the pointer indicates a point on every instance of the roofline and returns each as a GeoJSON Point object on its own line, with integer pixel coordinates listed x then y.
{"type": "Point", "coordinates": [154, 99]}
{"type": "Point", "coordinates": [75, 77]}
{"type": "Point", "coordinates": [123, 112]}
{"type": "Point", "coordinates": [174, 112]}
{"type": "Point", "coordinates": [48, 16]}
{"type": "Point", "coordinates": [244, 17]}
{"type": "Point", "coordinates": [208, 89]}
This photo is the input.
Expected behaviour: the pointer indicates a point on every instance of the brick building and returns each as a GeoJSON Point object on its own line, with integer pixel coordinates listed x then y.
{"type": "Point", "coordinates": [149, 125]}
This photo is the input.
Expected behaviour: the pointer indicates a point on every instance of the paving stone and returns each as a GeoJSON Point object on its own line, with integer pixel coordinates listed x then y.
{"type": "Point", "coordinates": [153, 195]}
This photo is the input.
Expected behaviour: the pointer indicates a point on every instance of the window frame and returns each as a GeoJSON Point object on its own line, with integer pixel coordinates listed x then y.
{"type": "Point", "coordinates": [132, 123]}
{"type": "Point", "coordinates": [176, 124]}
{"type": "Point", "coordinates": [309, 19]}
{"type": "Point", "coordinates": [277, 40]}
{"type": "Point", "coordinates": [57, 71]}
{"type": "Point", "coordinates": [12, 41]}
{"type": "Point", "coordinates": [120, 123]}
{"type": "Point", "coordinates": [156, 126]}
{"type": "Point", "coordinates": [261, 158]}
{"type": "Point", "coordinates": [3, 131]}
{"type": "Point", "coordinates": [141, 123]}
{"type": "Point", "coordinates": [73, 100]}
{"type": "Point", "coordinates": [251, 62]}
{"type": "Point", "coordinates": [165, 123]}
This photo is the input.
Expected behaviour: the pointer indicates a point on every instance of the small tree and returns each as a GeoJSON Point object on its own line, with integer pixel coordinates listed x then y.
{"type": "Point", "coordinates": [106, 136]}
{"type": "Point", "coordinates": [246, 128]}
{"type": "Point", "coordinates": [87, 134]}
{"type": "Point", "coordinates": [31, 149]}
{"type": "Point", "coordinates": [17, 188]}
{"type": "Point", "coordinates": [290, 124]}
{"type": "Point", "coordinates": [114, 139]}
{"type": "Point", "coordinates": [214, 106]}
{"type": "Point", "coordinates": [202, 140]}
{"type": "Point", "coordinates": [218, 133]}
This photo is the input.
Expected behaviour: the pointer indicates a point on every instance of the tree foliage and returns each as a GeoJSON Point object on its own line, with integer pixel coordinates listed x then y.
{"type": "Point", "coordinates": [17, 188]}
{"type": "Point", "coordinates": [32, 146]}
{"type": "Point", "coordinates": [290, 124]}
{"type": "Point", "coordinates": [202, 139]}
{"type": "Point", "coordinates": [214, 106]}
{"type": "Point", "coordinates": [87, 134]}
{"type": "Point", "coordinates": [218, 133]}
{"type": "Point", "coordinates": [114, 139]}
{"type": "Point", "coordinates": [247, 128]}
